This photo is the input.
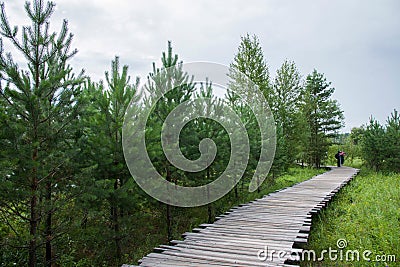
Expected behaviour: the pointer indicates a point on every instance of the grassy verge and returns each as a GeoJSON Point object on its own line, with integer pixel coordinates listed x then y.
{"type": "Point", "coordinates": [366, 213]}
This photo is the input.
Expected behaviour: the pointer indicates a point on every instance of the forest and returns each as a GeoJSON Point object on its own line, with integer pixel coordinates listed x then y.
{"type": "Point", "coordinates": [67, 197]}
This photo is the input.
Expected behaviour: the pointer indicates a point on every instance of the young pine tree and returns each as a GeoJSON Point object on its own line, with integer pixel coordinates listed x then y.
{"type": "Point", "coordinates": [373, 144]}
{"type": "Point", "coordinates": [392, 140]}
{"type": "Point", "coordinates": [104, 120]}
{"type": "Point", "coordinates": [40, 108]}
{"type": "Point", "coordinates": [183, 89]}
{"type": "Point", "coordinates": [286, 92]}
{"type": "Point", "coordinates": [248, 68]}
{"type": "Point", "coordinates": [323, 115]}
{"type": "Point", "coordinates": [250, 61]}
{"type": "Point", "coordinates": [380, 144]}
{"type": "Point", "coordinates": [208, 128]}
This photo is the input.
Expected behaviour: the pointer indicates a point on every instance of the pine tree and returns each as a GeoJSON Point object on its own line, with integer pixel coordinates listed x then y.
{"type": "Point", "coordinates": [207, 128]}
{"type": "Point", "coordinates": [392, 142]}
{"type": "Point", "coordinates": [104, 120]}
{"type": "Point", "coordinates": [40, 107]}
{"type": "Point", "coordinates": [324, 116]}
{"type": "Point", "coordinates": [159, 81]}
{"type": "Point", "coordinates": [248, 68]}
{"type": "Point", "coordinates": [380, 144]}
{"type": "Point", "coordinates": [286, 92]}
{"type": "Point", "coordinates": [373, 144]}
{"type": "Point", "coordinates": [249, 60]}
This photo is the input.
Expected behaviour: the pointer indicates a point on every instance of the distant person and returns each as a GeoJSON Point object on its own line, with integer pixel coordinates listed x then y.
{"type": "Point", "coordinates": [337, 156]}
{"type": "Point", "coordinates": [341, 156]}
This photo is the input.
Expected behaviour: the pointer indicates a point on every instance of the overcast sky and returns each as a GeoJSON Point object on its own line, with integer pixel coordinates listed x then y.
{"type": "Point", "coordinates": [356, 44]}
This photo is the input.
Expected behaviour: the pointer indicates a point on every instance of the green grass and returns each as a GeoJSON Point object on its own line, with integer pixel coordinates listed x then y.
{"type": "Point", "coordinates": [366, 213]}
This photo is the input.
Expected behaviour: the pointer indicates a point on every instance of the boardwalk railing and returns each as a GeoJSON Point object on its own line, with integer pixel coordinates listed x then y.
{"type": "Point", "coordinates": [271, 231]}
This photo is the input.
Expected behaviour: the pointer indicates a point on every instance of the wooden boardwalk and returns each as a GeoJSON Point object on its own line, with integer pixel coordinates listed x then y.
{"type": "Point", "coordinates": [254, 233]}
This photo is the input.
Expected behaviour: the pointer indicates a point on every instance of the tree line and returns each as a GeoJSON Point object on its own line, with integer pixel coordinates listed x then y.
{"type": "Point", "coordinates": [66, 195]}
{"type": "Point", "coordinates": [376, 144]}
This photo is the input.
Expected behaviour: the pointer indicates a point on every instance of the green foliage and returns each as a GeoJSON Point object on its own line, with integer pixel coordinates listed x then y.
{"type": "Point", "coordinates": [173, 87]}
{"type": "Point", "coordinates": [201, 128]}
{"type": "Point", "coordinates": [323, 115]}
{"type": "Point", "coordinates": [373, 144]}
{"type": "Point", "coordinates": [381, 144]}
{"type": "Point", "coordinates": [249, 69]}
{"type": "Point", "coordinates": [108, 185]}
{"type": "Point", "coordinates": [39, 106]}
{"type": "Point", "coordinates": [366, 214]}
{"type": "Point", "coordinates": [286, 100]}
{"type": "Point", "coordinates": [351, 145]}
{"type": "Point", "coordinates": [392, 143]}
{"type": "Point", "coordinates": [182, 89]}
{"type": "Point", "coordinates": [250, 61]}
